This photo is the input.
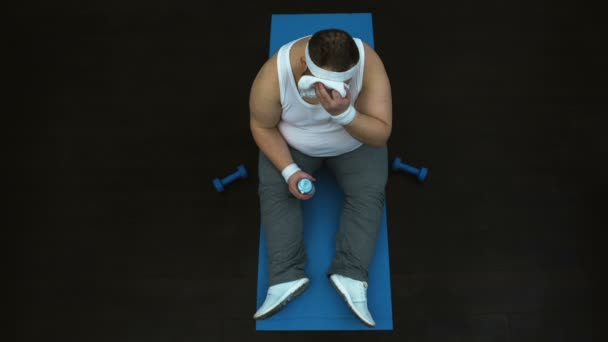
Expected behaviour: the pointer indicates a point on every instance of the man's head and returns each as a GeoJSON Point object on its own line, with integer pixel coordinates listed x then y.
{"type": "Point", "coordinates": [331, 57]}
{"type": "Point", "coordinates": [333, 50]}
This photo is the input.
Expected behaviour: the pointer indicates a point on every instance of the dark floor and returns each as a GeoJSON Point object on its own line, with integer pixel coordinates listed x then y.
{"type": "Point", "coordinates": [128, 110]}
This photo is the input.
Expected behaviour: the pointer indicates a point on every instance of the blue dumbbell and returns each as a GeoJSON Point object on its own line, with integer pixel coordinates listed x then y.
{"type": "Point", "coordinates": [219, 184]}
{"type": "Point", "coordinates": [420, 173]}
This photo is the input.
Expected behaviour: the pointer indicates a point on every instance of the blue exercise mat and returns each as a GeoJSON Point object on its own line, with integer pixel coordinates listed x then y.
{"type": "Point", "coordinates": [320, 307]}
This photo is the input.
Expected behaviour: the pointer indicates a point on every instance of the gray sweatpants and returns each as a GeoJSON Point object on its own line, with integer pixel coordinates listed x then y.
{"type": "Point", "coordinates": [362, 176]}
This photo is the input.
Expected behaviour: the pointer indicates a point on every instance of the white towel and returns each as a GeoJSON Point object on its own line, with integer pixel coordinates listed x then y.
{"type": "Point", "coordinates": [306, 86]}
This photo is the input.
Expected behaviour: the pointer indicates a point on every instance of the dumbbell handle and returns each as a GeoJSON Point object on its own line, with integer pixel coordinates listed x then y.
{"type": "Point", "coordinates": [420, 173]}
{"type": "Point", "coordinates": [240, 172]}
{"type": "Point", "coordinates": [408, 168]}
{"type": "Point", "coordinates": [232, 177]}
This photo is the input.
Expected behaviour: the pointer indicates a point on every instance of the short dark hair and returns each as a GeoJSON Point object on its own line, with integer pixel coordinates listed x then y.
{"type": "Point", "coordinates": [333, 49]}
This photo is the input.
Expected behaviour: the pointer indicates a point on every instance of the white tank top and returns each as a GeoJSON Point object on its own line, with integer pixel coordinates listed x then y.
{"type": "Point", "coordinates": [308, 127]}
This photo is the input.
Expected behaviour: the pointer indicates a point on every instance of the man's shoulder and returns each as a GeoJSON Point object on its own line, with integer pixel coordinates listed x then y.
{"type": "Point", "coordinates": [267, 77]}
{"type": "Point", "coordinates": [371, 56]}
{"type": "Point", "coordinates": [270, 66]}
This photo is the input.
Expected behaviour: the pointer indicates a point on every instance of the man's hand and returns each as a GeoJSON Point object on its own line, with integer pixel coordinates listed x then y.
{"type": "Point", "coordinates": [333, 103]}
{"type": "Point", "coordinates": [293, 184]}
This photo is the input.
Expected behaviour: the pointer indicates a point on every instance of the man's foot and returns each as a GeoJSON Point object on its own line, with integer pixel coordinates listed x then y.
{"type": "Point", "coordinates": [279, 295]}
{"type": "Point", "coordinates": [354, 293]}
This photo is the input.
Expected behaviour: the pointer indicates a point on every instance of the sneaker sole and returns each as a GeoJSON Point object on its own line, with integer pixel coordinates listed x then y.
{"type": "Point", "coordinates": [282, 304]}
{"type": "Point", "coordinates": [343, 295]}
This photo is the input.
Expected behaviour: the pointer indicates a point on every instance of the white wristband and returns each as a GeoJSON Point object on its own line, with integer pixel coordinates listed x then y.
{"type": "Point", "coordinates": [289, 170]}
{"type": "Point", "coordinates": [345, 118]}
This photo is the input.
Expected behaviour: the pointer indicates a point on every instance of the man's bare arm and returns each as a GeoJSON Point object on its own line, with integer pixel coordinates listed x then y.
{"type": "Point", "coordinates": [265, 114]}
{"type": "Point", "coordinates": [373, 123]}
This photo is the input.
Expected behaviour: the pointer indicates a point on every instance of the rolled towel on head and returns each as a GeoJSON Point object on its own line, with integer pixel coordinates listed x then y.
{"type": "Point", "coordinates": [306, 86]}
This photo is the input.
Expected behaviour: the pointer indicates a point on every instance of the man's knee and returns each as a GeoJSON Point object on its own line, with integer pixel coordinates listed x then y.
{"type": "Point", "coordinates": [365, 198]}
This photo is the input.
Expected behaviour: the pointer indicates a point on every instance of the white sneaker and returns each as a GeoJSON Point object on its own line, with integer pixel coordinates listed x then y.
{"type": "Point", "coordinates": [279, 295]}
{"type": "Point", "coordinates": [354, 293]}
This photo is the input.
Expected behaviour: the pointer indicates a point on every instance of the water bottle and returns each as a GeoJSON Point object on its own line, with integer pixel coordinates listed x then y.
{"type": "Point", "coordinates": [306, 187]}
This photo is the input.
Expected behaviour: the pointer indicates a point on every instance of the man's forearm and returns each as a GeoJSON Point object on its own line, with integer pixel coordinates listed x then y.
{"type": "Point", "coordinates": [273, 145]}
{"type": "Point", "coordinates": [369, 130]}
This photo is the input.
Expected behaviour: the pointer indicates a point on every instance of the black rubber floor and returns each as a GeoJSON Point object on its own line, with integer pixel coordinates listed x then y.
{"type": "Point", "coordinates": [128, 110]}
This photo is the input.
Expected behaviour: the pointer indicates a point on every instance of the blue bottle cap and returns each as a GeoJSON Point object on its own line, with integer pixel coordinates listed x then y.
{"type": "Point", "coordinates": [305, 186]}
